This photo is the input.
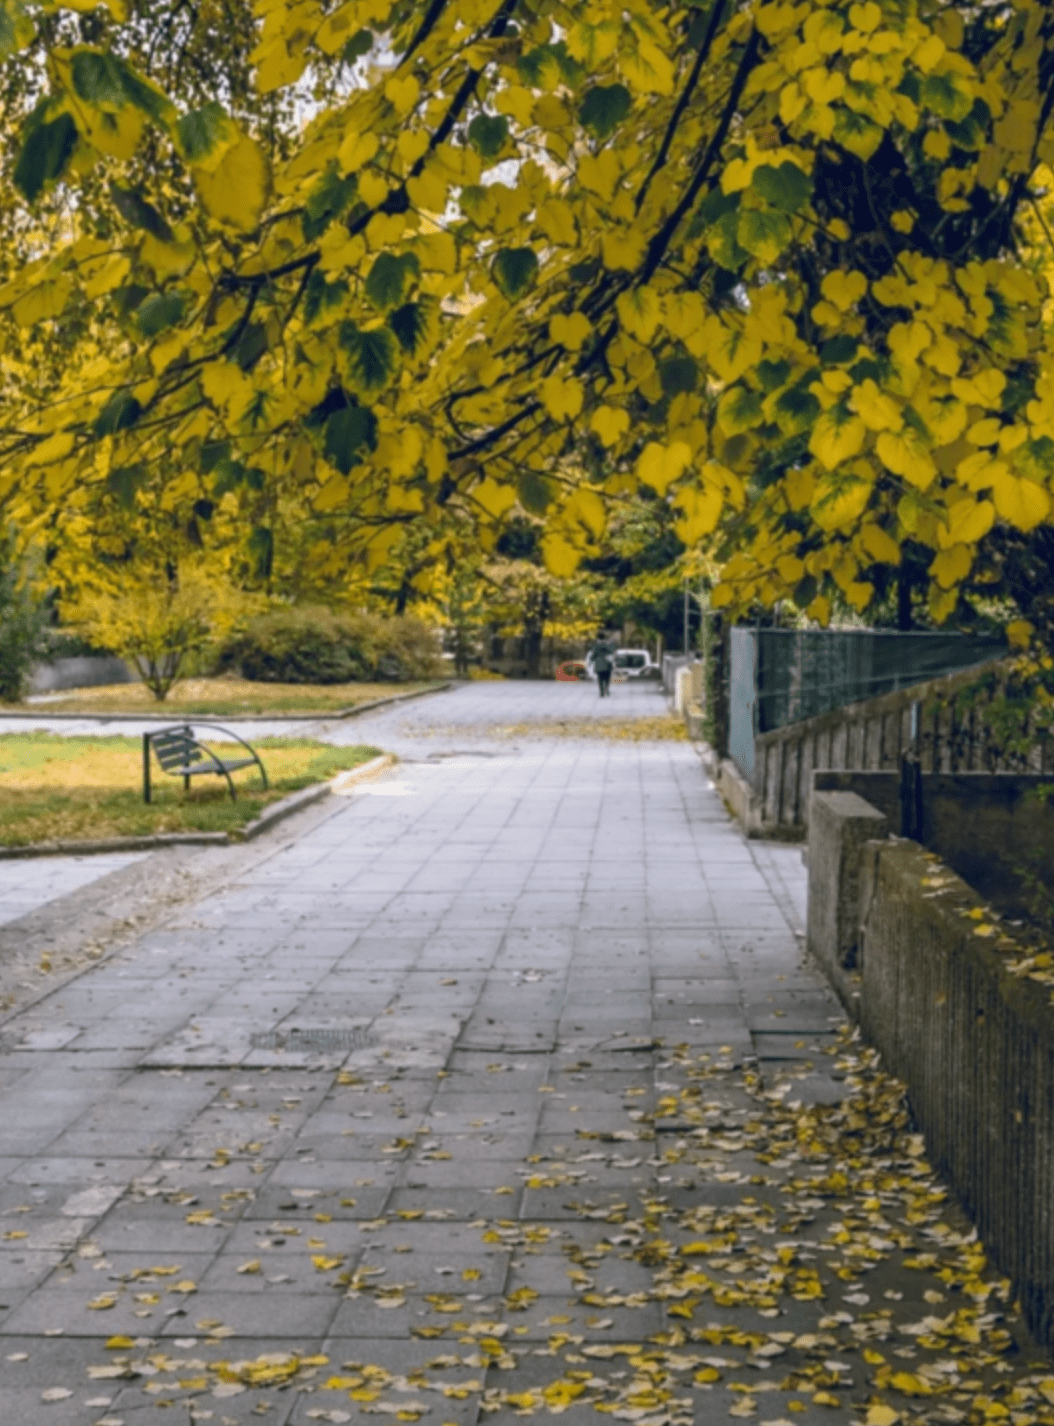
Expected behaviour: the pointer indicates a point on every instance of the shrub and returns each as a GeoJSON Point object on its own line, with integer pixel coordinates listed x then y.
{"type": "Point", "coordinates": [318, 645]}
{"type": "Point", "coordinates": [159, 623]}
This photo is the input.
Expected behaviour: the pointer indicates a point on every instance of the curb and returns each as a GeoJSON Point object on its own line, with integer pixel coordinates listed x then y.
{"type": "Point", "coordinates": [344, 782]}
{"type": "Point", "coordinates": [270, 817]}
{"type": "Point", "coordinates": [115, 844]}
{"type": "Point", "coordinates": [322, 716]}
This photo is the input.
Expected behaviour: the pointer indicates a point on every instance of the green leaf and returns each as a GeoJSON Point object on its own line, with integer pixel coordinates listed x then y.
{"type": "Point", "coordinates": [772, 374]}
{"type": "Point", "coordinates": [722, 240]}
{"type": "Point", "coordinates": [514, 269]}
{"type": "Point", "coordinates": [571, 72]}
{"type": "Point", "coordinates": [678, 374]}
{"type": "Point", "coordinates": [740, 410]}
{"type": "Point", "coordinates": [159, 312]}
{"type": "Point", "coordinates": [121, 411]}
{"type": "Point", "coordinates": [535, 492]}
{"type": "Point", "coordinates": [410, 324]}
{"type": "Point", "coordinates": [805, 591]}
{"type": "Point", "coordinates": [250, 346]}
{"type": "Point", "coordinates": [212, 452]}
{"type": "Point", "coordinates": [128, 298]}
{"type": "Point", "coordinates": [539, 68]}
{"type": "Point", "coordinates": [260, 546]}
{"type": "Point", "coordinates": [786, 187]}
{"type": "Point", "coordinates": [107, 81]}
{"type": "Point", "coordinates": [838, 349]}
{"type": "Point", "coordinates": [796, 410]}
{"type": "Point", "coordinates": [487, 134]}
{"type": "Point", "coordinates": [321, 295]}
{"type": "Point", "coordinates": [125, 481]}
{"type": "Point", "coordinates": [947, 95]}
{"type": "Point", "coordinates": [46, 150]}
{"type": "Point", "coordinates": [360, 43]}
{"type": "Point", "coordinates": [229, 475]}
{"type": "Point", "coordinates": [715, 205]}
{"type": "Point", "coordinates": [16, 27]}
{"type": "Point", "coordinates": [865, 368]}
{"type": "Point", "coordinates": [329, 197]}
{"type": "Point", "coordinates": [202, 131]}
{"type": "Point", "coordinates": [373, 357]}
{"type": "Point", "coordinates": [351, 433]}
{"type": "Point", "coordinates": [390, 277]}
{"type": "Point", "coordinates": [135, 209]}
{"type": "Point", "coordinates": [763, 234]}
{"type": "Point", "coordinates": [604, 108]}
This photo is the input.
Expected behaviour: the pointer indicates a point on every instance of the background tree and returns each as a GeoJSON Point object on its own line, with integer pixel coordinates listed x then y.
{"type": "Point", "coordinates": [768, 262]}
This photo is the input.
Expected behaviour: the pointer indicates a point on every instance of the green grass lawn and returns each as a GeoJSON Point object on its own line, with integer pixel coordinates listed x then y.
{"type": "Point", "coordinates": [222, 697]}
{"type": "Point", "coordinates": [83, 789]}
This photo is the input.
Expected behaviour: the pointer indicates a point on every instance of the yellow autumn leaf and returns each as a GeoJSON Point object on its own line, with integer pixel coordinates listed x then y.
{"type": "Point", "coordinates": [878, 411]}
{"type": "Point", "coordinates": [234, 192]}
{"type": "Point", "coordinates": [879, 544]}
{"type": "Point", "coordinates": [646, 67]}
{"type": "Point", "coordinates": [562, 397]}
{"type": "Point", "coordinates": [623, 251]}
{"type": "Point", "coordinates": [843, 289]}
{"type": "Point", "coordinates": [880, 1415]}
{"type": "Point", "coordinates": [561, 558]}
{"type": "Point", "coordinates": [1022, 503]}
{"type": "Point", "coordinates": [839, 501]}
{"type": "Point", "coordinates": [968, 522]}
{"type": "Point", "coordinates": [46, 300]}
{"type": "Point", "coordinates": [905, 455]}
{"type": "Point", "coordinates": [659, 465]}
{"type": "Point", "coordinates": [836, 437]}
{"type": "Point", "coordinates": [910, 1384]}
{"type": "Point", "coordinates": [356, 150]}
{"type": "Point", "coordinates": [570, 331]}
{"type": "Point", "coordinates": [609, 423]}
{"type": "Point", "coordinates": [1019, 632]}
{"type": "Point", "coordinates": [700, 510]}
{"type": "Point", "coordinates": [640, 312]}
{"type": "Point", "coordinates": [951, 566]}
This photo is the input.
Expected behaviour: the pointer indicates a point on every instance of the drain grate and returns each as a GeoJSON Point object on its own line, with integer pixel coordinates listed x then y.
{"type": "Point", "coordinates": [324, 1039]}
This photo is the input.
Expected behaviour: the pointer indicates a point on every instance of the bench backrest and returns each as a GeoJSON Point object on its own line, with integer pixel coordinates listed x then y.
{"type": "Point", "coordinates": [176, 747]}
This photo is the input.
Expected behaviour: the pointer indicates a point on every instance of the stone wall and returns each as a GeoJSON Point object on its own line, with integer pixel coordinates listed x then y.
{"type": "Point", "coordinates": [975, 1045]}
{"type": "Point", "coordinates": [926, 966]}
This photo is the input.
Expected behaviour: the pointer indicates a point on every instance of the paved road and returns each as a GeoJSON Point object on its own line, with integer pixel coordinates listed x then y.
{"type": "Point", "coordinates": [498, 1086]}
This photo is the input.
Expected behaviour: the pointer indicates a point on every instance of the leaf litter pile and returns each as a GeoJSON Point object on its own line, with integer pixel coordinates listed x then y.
{"type": "Point", "coordinates": [780, 1260]}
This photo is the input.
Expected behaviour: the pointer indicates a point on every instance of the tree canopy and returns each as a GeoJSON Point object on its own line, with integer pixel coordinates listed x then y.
{"type": "Point", "coordinates": [782, 264]}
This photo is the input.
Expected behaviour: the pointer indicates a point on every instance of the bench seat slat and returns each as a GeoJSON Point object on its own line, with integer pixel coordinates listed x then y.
{"type": "Point", "coordinates": [181, 754]}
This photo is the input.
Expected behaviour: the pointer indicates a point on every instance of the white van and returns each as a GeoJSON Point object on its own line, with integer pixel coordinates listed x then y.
{"type": "Point", "coordinates": [629, 663]}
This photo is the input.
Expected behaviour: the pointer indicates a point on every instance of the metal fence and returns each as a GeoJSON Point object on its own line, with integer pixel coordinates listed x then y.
{"type": "Point", "coordinates": [778, 677]}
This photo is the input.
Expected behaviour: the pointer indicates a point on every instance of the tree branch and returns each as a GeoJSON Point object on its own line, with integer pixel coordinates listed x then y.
{"type": "Point", "coordinates": [482, 442]}
{"type": "Point", "coordinates": [662, 239]}
{"type": "Point", "coordinates": [427, 25]}
{"type": "Point", "coordinates": [683, 102]}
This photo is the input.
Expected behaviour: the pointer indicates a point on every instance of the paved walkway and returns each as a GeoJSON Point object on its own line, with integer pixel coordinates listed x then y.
{"type": "Point", "coordinates": [30, 882]}
{"type": "Point", "coordinates": [498, 1087]}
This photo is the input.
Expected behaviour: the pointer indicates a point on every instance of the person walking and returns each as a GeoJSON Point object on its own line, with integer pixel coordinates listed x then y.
{"type": "Point", "coordinates": [603, 655]}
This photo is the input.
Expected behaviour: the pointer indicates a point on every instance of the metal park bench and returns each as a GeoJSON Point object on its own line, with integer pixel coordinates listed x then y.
{"type": "Point", "coordinates": [183, 755]}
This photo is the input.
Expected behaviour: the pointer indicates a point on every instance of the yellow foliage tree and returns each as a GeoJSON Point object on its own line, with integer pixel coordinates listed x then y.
{"type": "Point", "coordinates": [158, 620]}
{"type": "Point", "coordinates": [763, 258]}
